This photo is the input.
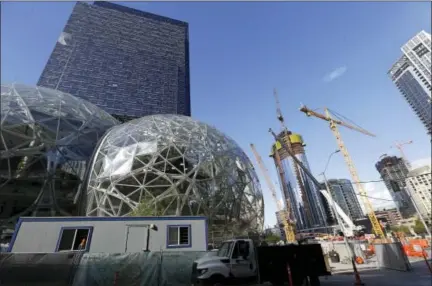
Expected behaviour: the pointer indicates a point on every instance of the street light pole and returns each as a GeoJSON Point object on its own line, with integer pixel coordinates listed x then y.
{"type": "Point", "coordinates": [333, 205]}
{"type": "Point", "coordinates": [338, 220]}
{"type": "Point", "coordinates": [327, 187]}
{"type": "Point", "coordinates": [358, 281]}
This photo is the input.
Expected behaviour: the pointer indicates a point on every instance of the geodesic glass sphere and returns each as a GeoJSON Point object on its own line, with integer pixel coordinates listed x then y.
{"type": "Point", "coordinates": [174, 165]}
{"type": "Point", "coordinates": [36, 118]}
{"type": "Point", "coordinates": [45, 135]}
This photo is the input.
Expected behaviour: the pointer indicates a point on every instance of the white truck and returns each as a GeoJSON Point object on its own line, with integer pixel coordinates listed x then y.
{"type": "Point", "coordinates": [240, 261]}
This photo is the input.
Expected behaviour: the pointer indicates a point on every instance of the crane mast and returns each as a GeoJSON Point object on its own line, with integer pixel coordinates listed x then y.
{"type": "Point", "coordinates": [334, 128]}
{"type": "Point", "coordinates": [297, 173]}
{"type": "Point", "coordinates": [400, 147]}
{"type": "Point", "coordinates": [286, 217]}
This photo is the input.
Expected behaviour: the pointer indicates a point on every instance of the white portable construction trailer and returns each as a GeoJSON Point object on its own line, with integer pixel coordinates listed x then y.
{"type": "Point", "coordinates": [109, 234]}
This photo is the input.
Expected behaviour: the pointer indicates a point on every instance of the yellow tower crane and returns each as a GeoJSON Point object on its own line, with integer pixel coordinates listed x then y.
{"type": "Point", "coordinates": [286, 214]}
{"type": "Point", "coordinates": [334, 128]}
{"type": "Point", "coordinates": [287, 141]}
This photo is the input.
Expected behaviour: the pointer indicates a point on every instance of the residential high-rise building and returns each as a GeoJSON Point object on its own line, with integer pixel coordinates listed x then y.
{"type": "Point", "coordinates": [412, 76]}
{"type": "Point", "coordinates": [419, 184]}
{"type": "Point", "coordinates": [128, 62]}
{"type": "Point", "coordinates": [392, 216]}
{"type": "Point", "coordinates": [393, 171]}
{"type": "Point", "coordinates": [306, 204]}
{"type": "Point", "coordinates": [344, 195]}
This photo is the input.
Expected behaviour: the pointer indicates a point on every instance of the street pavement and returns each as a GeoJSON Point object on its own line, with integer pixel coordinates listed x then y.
{"type": "Point", "coordinates": [419, 276]}
{"type": "Point", "coordinates": [347, 267]}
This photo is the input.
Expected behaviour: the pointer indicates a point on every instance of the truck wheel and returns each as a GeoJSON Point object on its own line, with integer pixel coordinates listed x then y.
{"type": "Point", "coordinates": [277, 283]}
{"type": "Point", "coordinates": [216, 280]}
{"type": "Point", "coordinates": [314, 281]}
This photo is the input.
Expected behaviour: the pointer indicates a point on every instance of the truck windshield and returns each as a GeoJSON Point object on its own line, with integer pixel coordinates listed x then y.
{"type": "Point", "coordinates": [224, 249]}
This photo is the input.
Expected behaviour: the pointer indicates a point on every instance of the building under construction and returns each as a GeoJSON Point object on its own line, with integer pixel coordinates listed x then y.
{"type": "Point", "coordinates": [300, 194]}
{"type": "Point", "coordinates": [394, 171]}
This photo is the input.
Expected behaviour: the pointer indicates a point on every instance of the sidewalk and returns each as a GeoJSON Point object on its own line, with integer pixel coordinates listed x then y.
{"type": "Point", "coordinates": [347, 267]}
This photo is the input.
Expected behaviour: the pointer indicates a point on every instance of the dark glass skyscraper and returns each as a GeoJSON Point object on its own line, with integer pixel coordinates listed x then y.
{"type": "Point", "coordinates": [344, 195]}
{"type": "Point", "coordinates": [412, 76]}
{"type": "Point", "coordinates": [128, 62]}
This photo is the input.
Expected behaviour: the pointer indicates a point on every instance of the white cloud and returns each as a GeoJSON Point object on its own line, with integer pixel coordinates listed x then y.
{"type": "Point", "coordinates": [420, 162]}
{"type": "Point", "coordinates": [379, 191]}
{"type": "Point", "coordinates": [336, 73]}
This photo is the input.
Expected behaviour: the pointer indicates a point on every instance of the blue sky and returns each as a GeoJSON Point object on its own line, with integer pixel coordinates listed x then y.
{"type": "Point", "coordinates": [240, 51]}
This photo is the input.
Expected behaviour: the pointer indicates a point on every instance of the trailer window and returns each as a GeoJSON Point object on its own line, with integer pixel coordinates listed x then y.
{"type": "Point", "coordinates": [179, 236]}
{"type": "Point", "coordinates": [72, 239]}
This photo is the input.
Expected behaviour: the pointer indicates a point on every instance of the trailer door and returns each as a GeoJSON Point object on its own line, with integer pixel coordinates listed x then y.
{"type": "Point", "coordinates": [136, 238]}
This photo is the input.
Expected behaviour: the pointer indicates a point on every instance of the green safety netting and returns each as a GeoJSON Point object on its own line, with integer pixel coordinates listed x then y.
{"type": "Point", "coordinates": [137, 269]}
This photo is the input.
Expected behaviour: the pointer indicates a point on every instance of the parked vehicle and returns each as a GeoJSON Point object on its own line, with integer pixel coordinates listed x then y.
{"type": "Point", "coordinates": [240, 261]}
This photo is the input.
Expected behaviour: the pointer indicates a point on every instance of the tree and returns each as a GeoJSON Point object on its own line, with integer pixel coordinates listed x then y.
{"type": "Point", "coordinates": [401, 228]}
{"type": "Point", "coordinates": [419, 228]}
{"type": "Point", "coordinates": [272, 238]}
{"type": "Point", "coordinates": [146, 209]}
{"type": "Point", "coordinates": [404, 229]}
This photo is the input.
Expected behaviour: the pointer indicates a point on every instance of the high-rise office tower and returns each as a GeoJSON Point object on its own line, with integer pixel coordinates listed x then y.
{"type": "Point", "coordinates": [306, 204]}
{"type": "Point", "coordinates": [128, 62]}
{"type": "Point", "coordinates": [344, 195]}
{"type": "Point", "coordinates": [419, 184]}
{"type": "Point", "coordinates": [393, 171]}
{"type": "Point", "coordinates": [412, 76]}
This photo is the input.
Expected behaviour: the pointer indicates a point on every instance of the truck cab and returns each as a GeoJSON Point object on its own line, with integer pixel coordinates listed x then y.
{"type": "Point", "coordinates": [240, 261]}
{"type": "Point", "coordinates": [235, 262]}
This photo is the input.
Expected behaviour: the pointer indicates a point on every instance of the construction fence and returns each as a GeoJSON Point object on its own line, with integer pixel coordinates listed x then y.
{"type": "Point", "coordinates": [391, 253]}
{"type": "Point", "coordinates": [76, 269]}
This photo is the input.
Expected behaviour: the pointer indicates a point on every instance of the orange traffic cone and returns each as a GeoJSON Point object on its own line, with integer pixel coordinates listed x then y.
{"type": "Point", "coordinates": [289, 275]}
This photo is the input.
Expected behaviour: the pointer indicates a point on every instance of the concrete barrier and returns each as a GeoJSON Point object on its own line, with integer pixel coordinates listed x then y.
{"type": "Point", "coordinates": [357, 247]}
{"type": "Point", "coordinates": [392, 256]}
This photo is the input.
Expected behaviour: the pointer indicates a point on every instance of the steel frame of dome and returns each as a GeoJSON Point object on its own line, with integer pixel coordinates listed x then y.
{"type": "Point", "coordinates": [174, 165]}
{"type": "Point", "coordinates": [46, 134]}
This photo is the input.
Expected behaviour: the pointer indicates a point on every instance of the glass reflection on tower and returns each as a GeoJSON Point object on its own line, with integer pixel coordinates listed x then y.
{"type": "Point", "coordinates": [299, 190]}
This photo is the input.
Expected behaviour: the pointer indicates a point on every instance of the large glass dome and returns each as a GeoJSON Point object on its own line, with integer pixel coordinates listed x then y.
{"type": "Point", "coordinates": [174, 165]}
{"type": "Point", "coordinates": [47, 137]}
